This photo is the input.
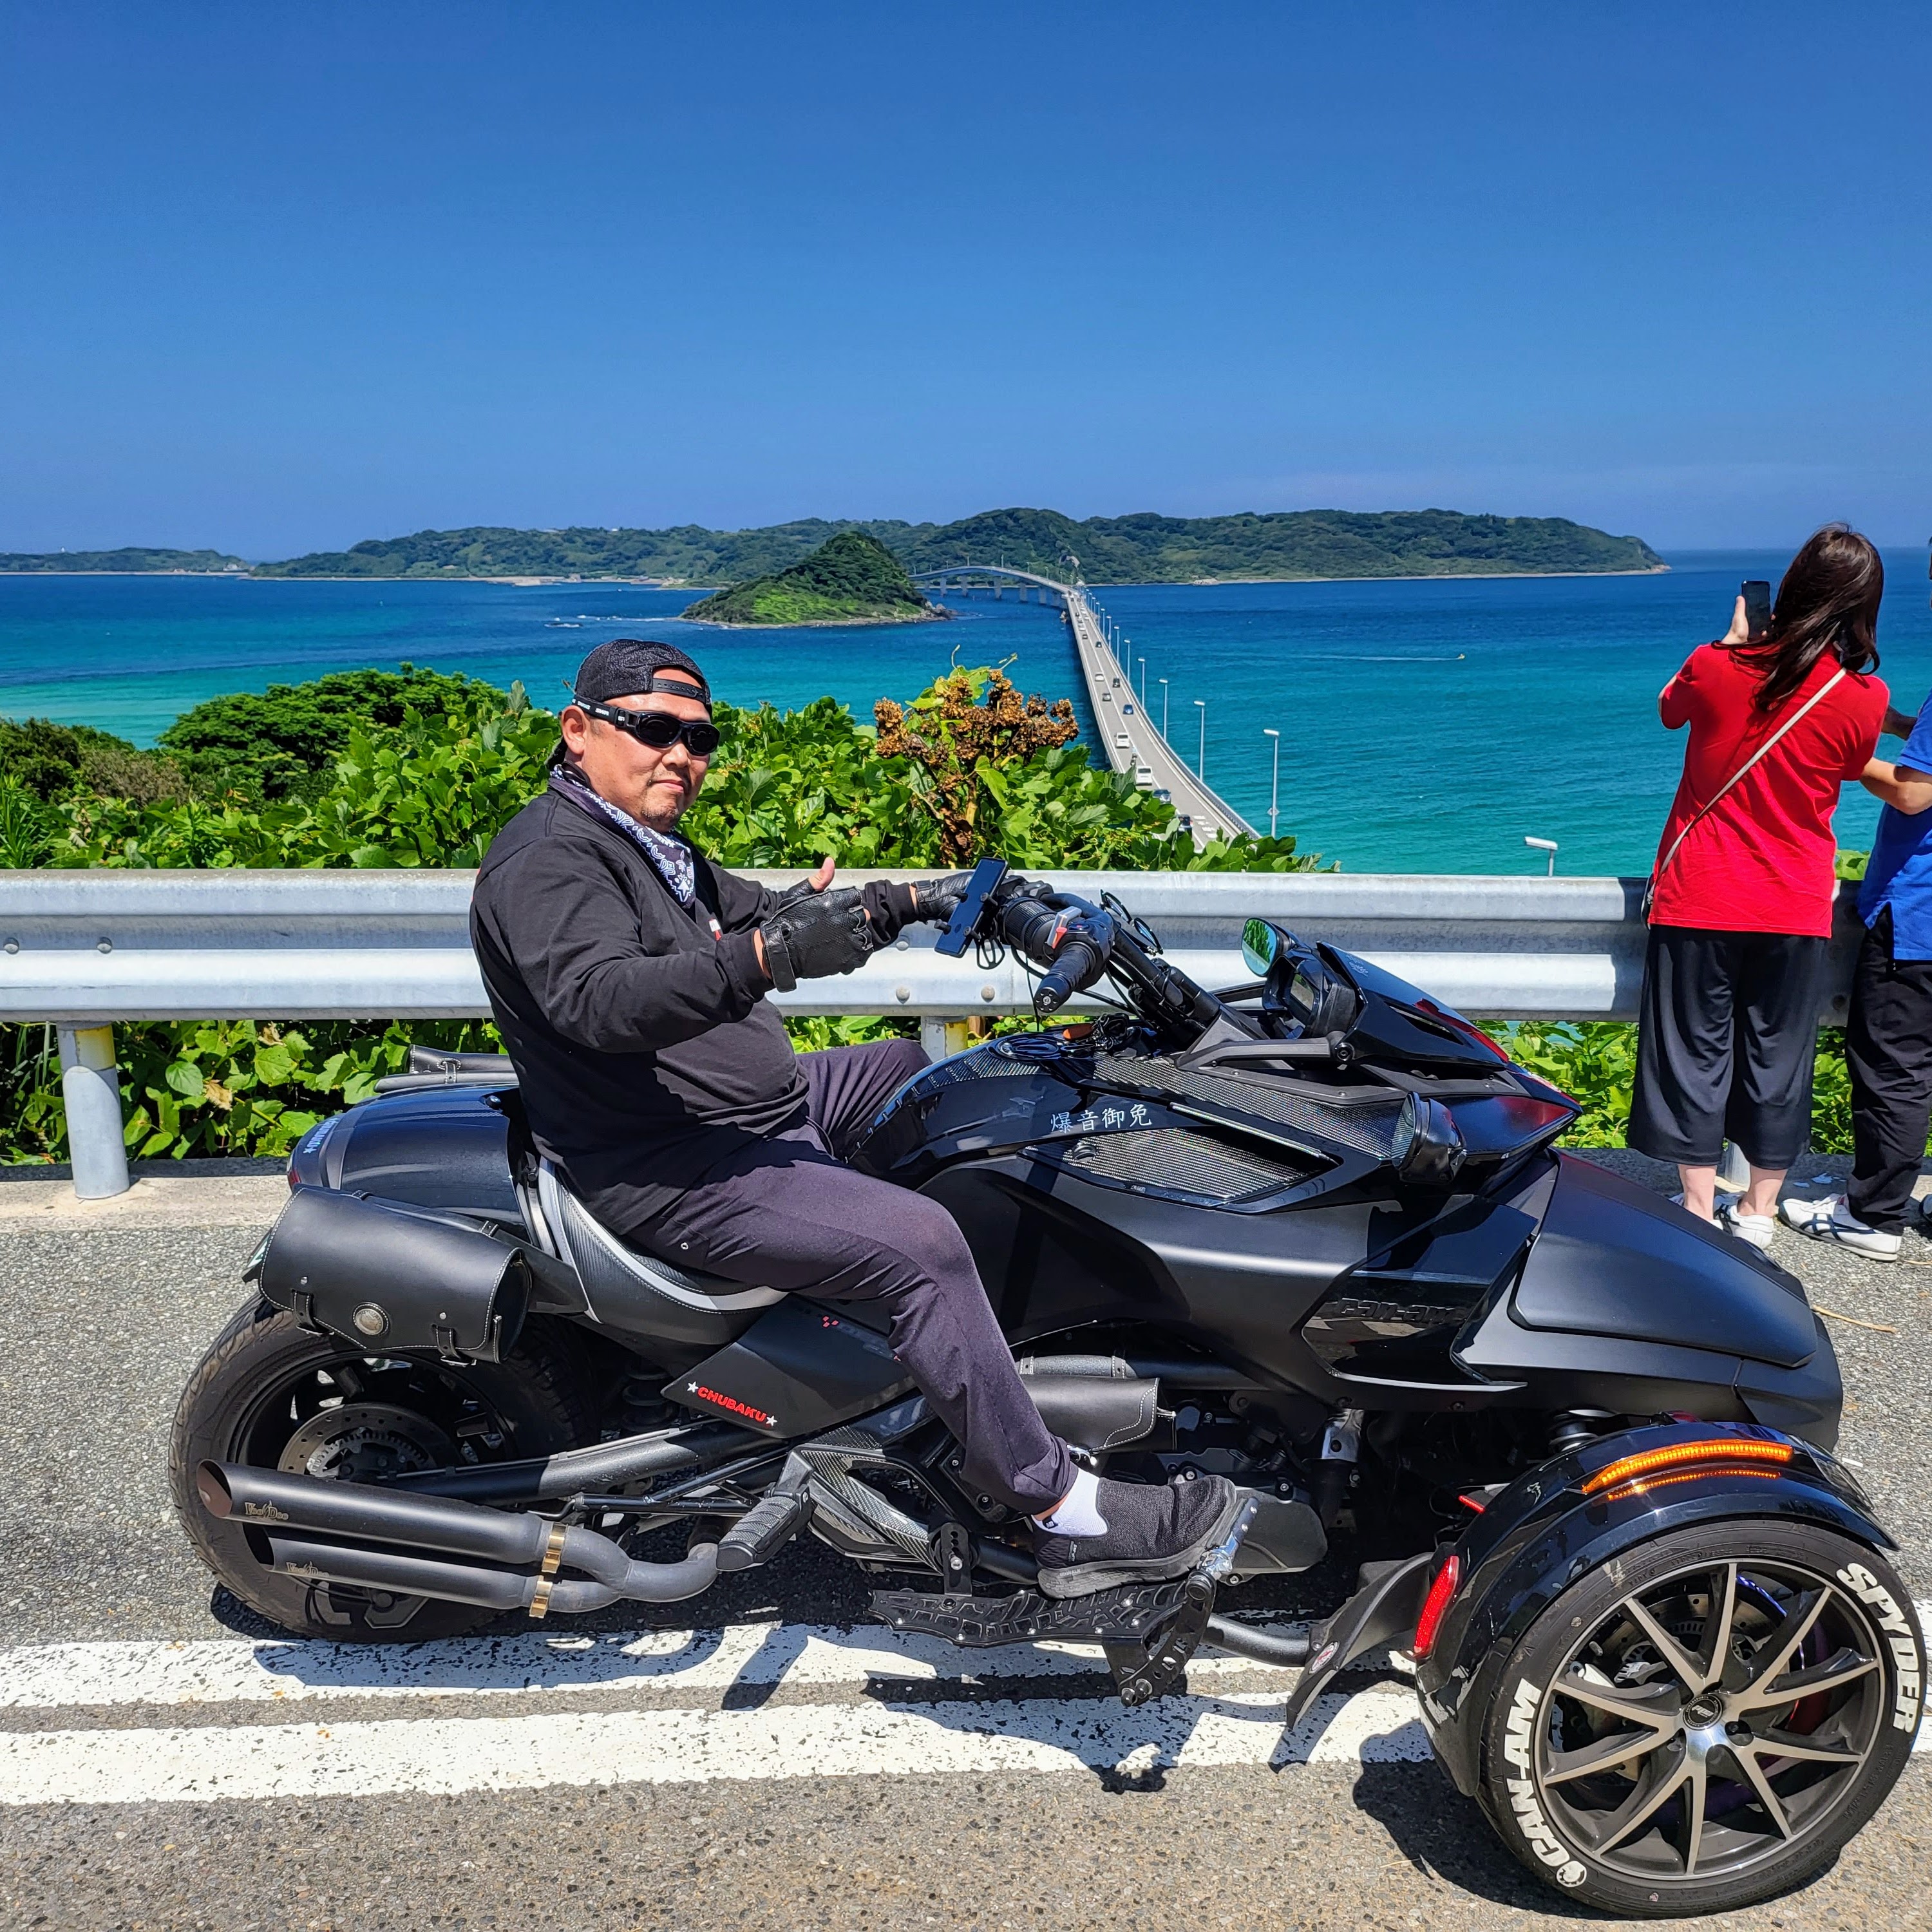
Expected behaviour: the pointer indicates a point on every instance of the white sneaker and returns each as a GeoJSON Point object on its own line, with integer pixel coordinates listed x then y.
{"type": "Point", "coordinates": [1831, 1220]}
{"type": "Point", "coordinates": [1721, 1203]}
{"type": "Point", "coordinates": [1757, 1229]}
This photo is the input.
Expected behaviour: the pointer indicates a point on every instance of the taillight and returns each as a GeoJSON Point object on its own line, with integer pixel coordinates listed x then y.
{"type": "Point", "coordinates": [1435, 1606]}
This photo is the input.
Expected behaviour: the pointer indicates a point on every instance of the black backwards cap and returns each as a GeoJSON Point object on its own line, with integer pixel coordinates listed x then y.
{"type": "Point", "coordinates": [623, 666]}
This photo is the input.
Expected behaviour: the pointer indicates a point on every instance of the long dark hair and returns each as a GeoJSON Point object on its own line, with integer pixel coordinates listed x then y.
{"type": "Point", "coordinates": [1827, 601]}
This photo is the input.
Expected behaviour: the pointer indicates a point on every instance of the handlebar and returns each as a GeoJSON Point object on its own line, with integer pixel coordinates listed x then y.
{"type": "Point", "coordinates": [1079, 944]}
{"type": "Point", "coordinates": [1072, 940]}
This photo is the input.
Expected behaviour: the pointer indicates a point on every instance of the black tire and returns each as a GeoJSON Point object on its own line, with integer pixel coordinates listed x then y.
{"type": "Point", "coordinates": [1630, 1829]}
{"type": "Point", "coordinates": [262, 1396]}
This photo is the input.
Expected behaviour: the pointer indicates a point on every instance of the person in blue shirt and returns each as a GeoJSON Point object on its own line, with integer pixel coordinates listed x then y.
{"type": "Point", "coordinates": [1888, 1030]}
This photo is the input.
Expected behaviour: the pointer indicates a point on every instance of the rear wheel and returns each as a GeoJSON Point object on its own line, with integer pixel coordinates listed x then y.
{"type": "Point", "coordinates": [1705, 1722]}
{"type": "Point", "coordinates": [270, 1394]}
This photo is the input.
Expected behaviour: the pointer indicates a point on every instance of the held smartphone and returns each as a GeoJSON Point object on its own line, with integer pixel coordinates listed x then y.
{"type": "Point", "coordinates": [1757, 594]}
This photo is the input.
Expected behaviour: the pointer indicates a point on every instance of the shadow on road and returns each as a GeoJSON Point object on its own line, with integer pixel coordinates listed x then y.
{"type": "Point", "coordinates": [1444, 1835]}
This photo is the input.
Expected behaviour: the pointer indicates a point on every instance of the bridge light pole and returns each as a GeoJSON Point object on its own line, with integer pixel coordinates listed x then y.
{"type": "Point", "coordinates": [1201, 759]}
{"type": "Point", "coordinates": [1142, 663]}
{"type": "Point", "coordinates": [1274, 787]}
{"type": "Point", "coordinates": [1163, 707]}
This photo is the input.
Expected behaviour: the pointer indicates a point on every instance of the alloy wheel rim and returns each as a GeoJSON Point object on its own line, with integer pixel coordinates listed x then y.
{"type": "Point", "coordinates": [1711, 1721]}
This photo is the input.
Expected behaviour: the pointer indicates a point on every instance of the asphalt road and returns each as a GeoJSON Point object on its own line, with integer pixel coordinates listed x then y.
{"type": "Point", "coordinates": [163, 1765]}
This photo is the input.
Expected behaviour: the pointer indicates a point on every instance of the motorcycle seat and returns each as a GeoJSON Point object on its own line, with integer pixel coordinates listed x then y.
{"type": "Point", "coordinates": [634, 1290]}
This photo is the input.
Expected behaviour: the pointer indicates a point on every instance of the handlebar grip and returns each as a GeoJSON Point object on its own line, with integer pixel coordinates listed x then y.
{"type": "Point", "coordinates": [1052, 993]}
{"type": "Point", "coordinates": [1075, 967]}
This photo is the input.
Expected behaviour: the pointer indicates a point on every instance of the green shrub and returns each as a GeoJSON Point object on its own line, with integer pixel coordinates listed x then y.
{"type": "Point", "coordinates": [57, 761]}
{"type": "Point", "coordinates": [217, 1088]}
{"type": "Point", "coordinates": [26, 826]}
{"type": "Point", "coordinates": [283, 743]}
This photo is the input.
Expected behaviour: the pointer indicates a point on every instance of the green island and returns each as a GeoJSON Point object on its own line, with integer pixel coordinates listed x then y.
{"type": "Point", "coordinates": [853, 579]}
{"type": "Point", "coordinates": [130, 561]}
{"type": "Point", "coordinates": [1145, 548]}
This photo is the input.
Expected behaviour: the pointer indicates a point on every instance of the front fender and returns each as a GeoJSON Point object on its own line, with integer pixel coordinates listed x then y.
{"type": "Point", "coordinates": [1552, 1526]}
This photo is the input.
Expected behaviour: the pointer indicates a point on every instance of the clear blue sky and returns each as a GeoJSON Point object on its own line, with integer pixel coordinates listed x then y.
{"type": "Point", "coordinates": [276, 277]}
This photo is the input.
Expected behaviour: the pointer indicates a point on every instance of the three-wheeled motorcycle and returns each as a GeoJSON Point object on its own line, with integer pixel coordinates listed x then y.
{"type": "Point", "coordinates": [1308, 1233]}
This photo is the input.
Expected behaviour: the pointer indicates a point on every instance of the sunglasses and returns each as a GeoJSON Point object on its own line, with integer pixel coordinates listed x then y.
{"type": "Point", "coordinates": [657, 729]}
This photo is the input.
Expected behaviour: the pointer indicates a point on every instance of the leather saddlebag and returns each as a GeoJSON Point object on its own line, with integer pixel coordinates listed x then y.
{"type": "Point", "coordinates": [389, 1277]}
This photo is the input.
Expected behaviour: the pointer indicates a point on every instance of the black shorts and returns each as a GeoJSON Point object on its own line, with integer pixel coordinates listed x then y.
{"type": "Point", "coordinates": [1725, 1040]}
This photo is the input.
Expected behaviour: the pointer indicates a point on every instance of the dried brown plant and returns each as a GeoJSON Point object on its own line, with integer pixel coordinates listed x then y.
{"type": "Point", "coordinates": [954, 735]}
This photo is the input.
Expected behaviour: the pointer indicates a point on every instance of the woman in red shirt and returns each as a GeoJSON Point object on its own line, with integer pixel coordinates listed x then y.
{"type": "Point", "coordinates": [1734, 971]}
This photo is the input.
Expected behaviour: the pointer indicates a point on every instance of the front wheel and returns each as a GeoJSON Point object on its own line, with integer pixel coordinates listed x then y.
{"type": "Point", "coordinates": [1707, 1721]}
{"type": "Point", "coordinates": [270, 1394]}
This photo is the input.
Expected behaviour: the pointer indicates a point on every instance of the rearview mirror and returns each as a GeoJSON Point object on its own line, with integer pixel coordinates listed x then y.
{"type": "Point", "coordinates": [1260, 945]}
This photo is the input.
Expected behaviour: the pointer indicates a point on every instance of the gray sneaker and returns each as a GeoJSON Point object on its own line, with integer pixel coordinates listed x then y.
{"type": "Point", "coordinates": [1831, 1220]}
{"type": "Point", "coordinates": [1154, 1531]}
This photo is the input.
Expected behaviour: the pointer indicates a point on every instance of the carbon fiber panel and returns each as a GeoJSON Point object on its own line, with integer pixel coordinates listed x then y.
{"type": "Point", "coordinates": [1184, 1162]}
{"type": "Point", "coordinates": [981, 1062]}
{"type": "Point", "coordinates": [1369, 1129]}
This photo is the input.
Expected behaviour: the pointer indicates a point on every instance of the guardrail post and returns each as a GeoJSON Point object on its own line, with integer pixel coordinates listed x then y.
{"type": "Point", "coordinates": [90, 1087]}
{"type": "Point", "coordinates": [943, 1037]}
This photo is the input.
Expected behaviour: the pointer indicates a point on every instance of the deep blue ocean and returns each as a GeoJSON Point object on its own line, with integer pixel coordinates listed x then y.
{"type": "Point", "coordinates": [1426, 726]}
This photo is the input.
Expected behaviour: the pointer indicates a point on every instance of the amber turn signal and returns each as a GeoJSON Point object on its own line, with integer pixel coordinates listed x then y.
{"type": "Point", "coordinates": [1721, 1448]}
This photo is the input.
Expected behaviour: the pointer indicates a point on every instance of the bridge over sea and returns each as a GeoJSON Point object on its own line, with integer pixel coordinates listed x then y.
{"type": "Point", "coordinates": [1128, 736]}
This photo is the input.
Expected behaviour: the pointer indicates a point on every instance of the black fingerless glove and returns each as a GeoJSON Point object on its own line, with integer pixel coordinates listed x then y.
{"type": "Point", "coordinates": [804, 889]}
{"type": "Point", "coordinates": [888, 906]}
{"type": "Point", "coordinates": [820, 934]}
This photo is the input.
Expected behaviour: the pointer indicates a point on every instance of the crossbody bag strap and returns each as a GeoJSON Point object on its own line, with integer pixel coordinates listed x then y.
{"type": "Point", "coordinates": [1743, 772]}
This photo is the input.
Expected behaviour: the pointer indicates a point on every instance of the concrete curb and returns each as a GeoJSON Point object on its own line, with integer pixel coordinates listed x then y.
{"type": "Point", "coordinates": [45, 1205]}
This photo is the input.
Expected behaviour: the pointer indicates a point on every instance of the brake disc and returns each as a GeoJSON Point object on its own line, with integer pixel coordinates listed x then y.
{"type": "Point", "coordinates": [366, 1442]}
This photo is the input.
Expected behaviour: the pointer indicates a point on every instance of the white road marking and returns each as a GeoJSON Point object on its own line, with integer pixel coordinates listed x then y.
{"type": "Point", "coordinates": [52, 1676]}
{"type": "Point", "coordinates": [447, 1755]}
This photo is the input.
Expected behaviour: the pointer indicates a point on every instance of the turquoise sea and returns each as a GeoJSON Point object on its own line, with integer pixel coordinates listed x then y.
{"type": "Point", "coordinates": [1426, 726]}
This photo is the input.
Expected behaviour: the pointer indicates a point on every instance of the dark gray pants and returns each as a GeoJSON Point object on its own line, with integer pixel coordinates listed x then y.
{"type": "Point", "coordinates": [1726, 1041]}
{"type": "Point", "coordinates": [786, 1213]}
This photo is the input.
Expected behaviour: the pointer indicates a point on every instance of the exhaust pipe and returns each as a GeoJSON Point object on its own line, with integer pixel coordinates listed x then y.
{"type": "Point", "coordinates": [603, 1465]}
{"type": "Point", "coordinates": [463, 1582]}
{"type": "Point", "coordinates": [268, 1500]}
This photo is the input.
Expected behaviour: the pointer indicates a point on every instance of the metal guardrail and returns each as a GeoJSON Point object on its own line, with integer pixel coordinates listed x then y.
{"type": "Point", "coordinates": [85, 949]}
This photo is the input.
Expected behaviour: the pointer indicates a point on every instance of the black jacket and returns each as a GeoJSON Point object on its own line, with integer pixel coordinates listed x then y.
{"type": "Point", "coordinates": [644, 1046]}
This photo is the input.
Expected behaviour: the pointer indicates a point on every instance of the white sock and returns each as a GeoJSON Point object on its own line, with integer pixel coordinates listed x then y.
{"type": "Point", "coordinates": [1079, 1515]}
